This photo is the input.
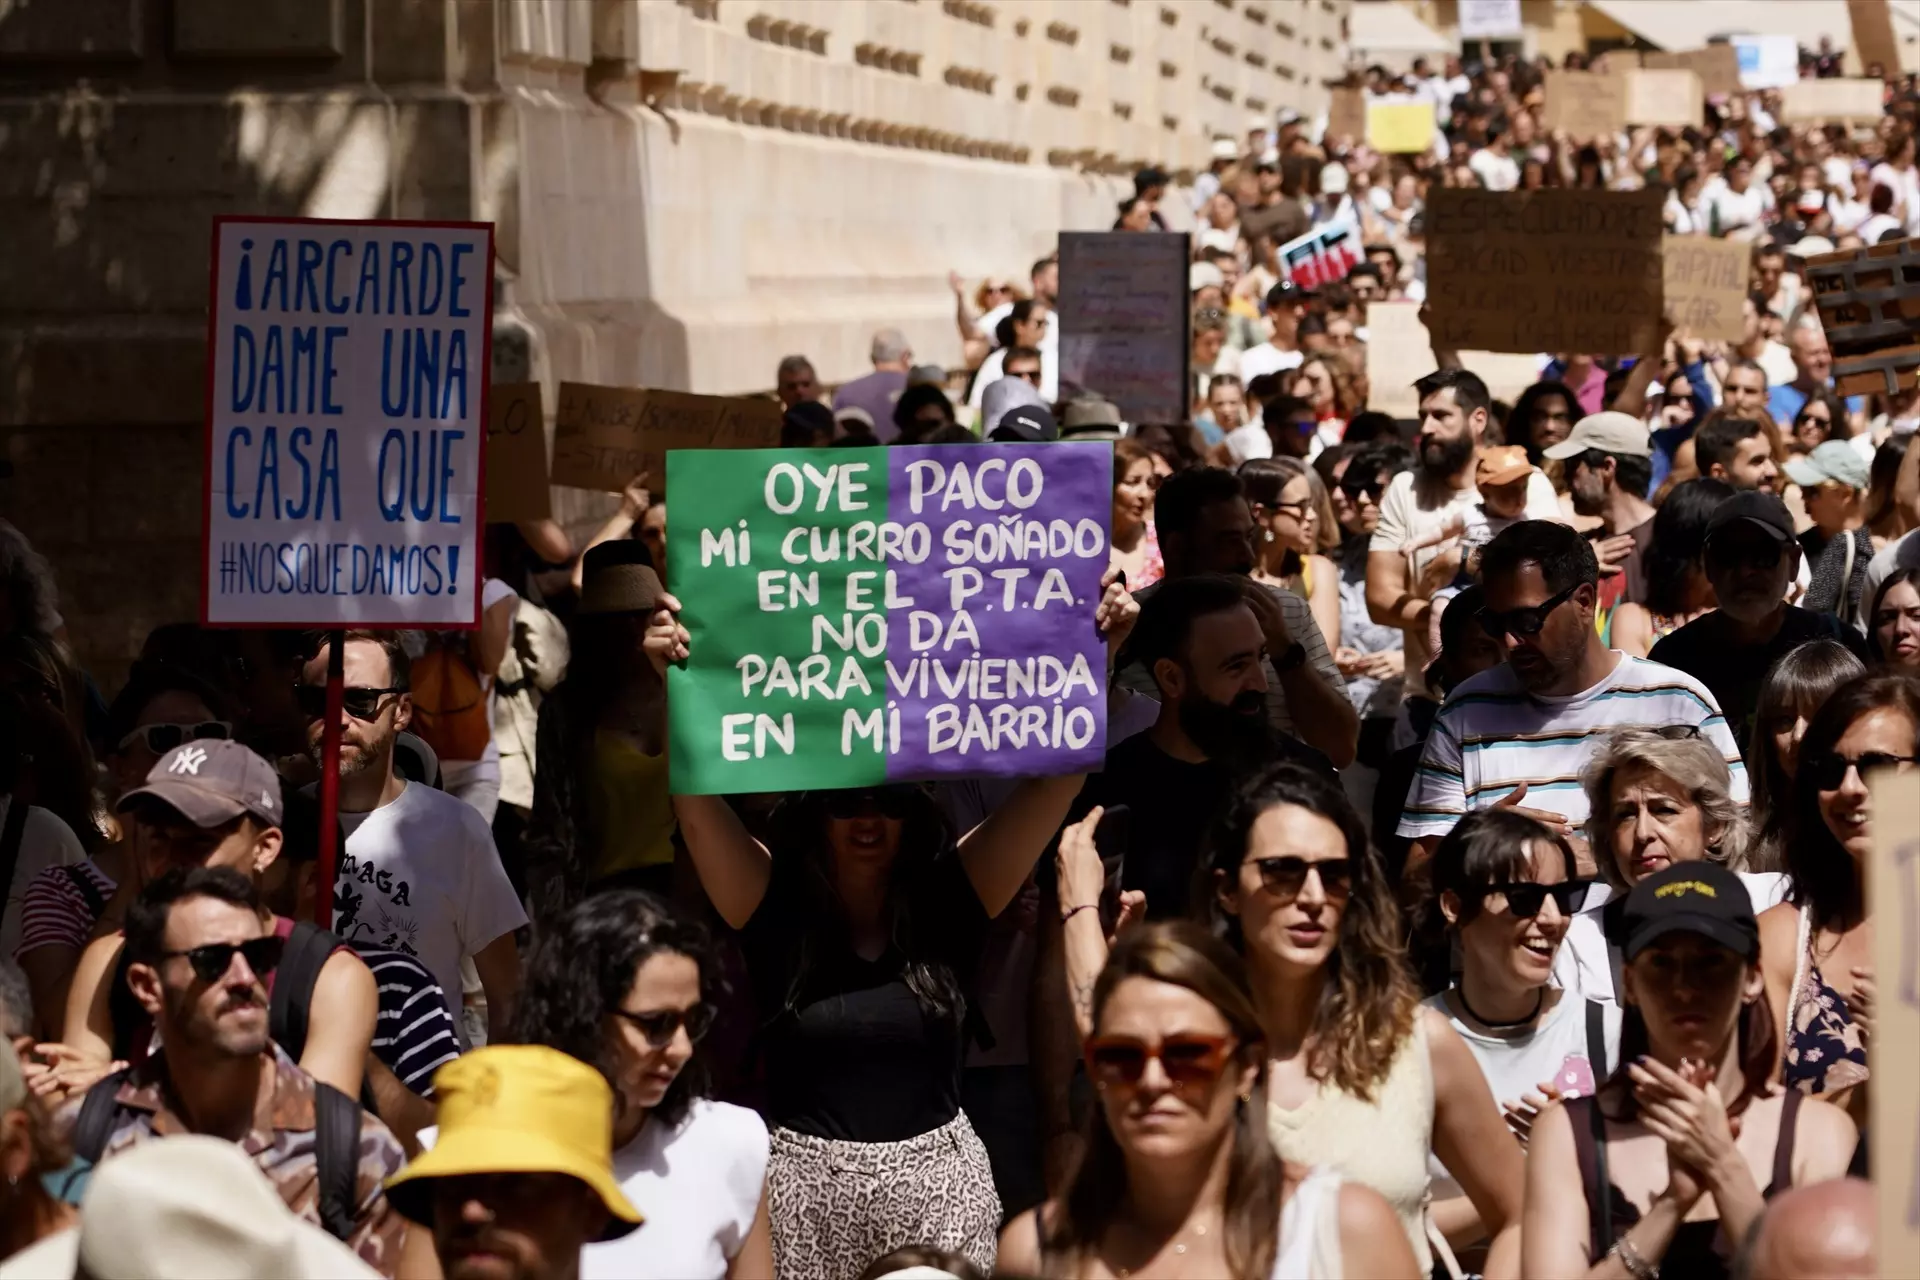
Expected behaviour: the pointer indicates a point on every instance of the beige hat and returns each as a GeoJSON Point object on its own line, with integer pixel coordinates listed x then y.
{"type": "Point", "coordinates": [1609, 431]}
{"type": "Point", "coordinates": [190, 1207]}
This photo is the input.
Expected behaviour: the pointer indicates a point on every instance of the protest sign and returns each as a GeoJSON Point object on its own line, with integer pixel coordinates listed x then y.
{"type": "Point", "coordinates": [1553, 270]}
{"type": "Point", "coordinates": [1400, 352]}
{"type": "Point", "coordinates": [1717, 65]}
{"type": "Point", "coordinates": [1123, 321]}
{"type": "Point", "coordinates": [865, 616]}
{"type": "Point", "coordinates": [346, 407]}
{"type": "Point", "coordinates": [1587, 104]}
{"type": "Point", "coordinates": [1323, 256]}
{"type": "Point", "coordinates": [1870, 313]}
{"type": "Point", "coordinates": [1347, 114]}
{"type": "Point", "coordinates": [1490, 19]}
{"type": "Point", "coordinates": [1668, 99]}
{"type": "Point", "coordinates": [1836, 101]}
{"type": "Point", "coordinates": [1873, 36]}
{"type": "Point", "coordinates": [516, 454]}
{"type": "Point", "coordinates": [1705, 285]}
{"type": "Point", "coordinates": [1617, 62]}
{"type": "Point", "coordinates": [1893, 892]}
{"type": "Point", "coordinates": [605, 436]}
{"type": "Point", "coordinates": [1400, 128]}
{"type": "Point", "coordinates": [1767, 62]}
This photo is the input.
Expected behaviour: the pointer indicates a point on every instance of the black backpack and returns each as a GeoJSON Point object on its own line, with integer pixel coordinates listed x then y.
{"type": "Point", "coordinates": [336, 1116]}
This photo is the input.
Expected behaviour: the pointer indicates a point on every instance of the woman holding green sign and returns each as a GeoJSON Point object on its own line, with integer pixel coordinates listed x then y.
{"type": "Point", "coordinates": [861, 918]}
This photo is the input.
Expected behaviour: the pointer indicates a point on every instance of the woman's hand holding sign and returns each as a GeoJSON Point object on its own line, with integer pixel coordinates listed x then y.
{"type": "Point", "coordinates": [666, 641]}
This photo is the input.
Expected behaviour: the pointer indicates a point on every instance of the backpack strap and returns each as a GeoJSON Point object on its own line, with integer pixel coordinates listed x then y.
{"type": "Point", "coordinates": [1590, 1151]}
{"type": "Point", "coordinates": [336, 1137]}
{"type": "Point", "coordinates": [308, 947]}
{"type": "Point", "coordinates": [86, 888]}
{"type": "Point", "coordinates": [11, 836]}
{"type": "Point", "coordinates": [1597, 1042]}
{"type": "Point", "coordinates": [95, 1123]}
{"type": "Point", "coordinates": [1783, 1143]}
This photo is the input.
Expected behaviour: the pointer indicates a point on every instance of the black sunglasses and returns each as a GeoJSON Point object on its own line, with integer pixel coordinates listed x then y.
{"type": "Point", "coordinates": [888, 802]}
{"type": "Point", "coordinates": [361, 704]}
{"type": "Point", "coordinates": [1031, 375]}
{"type": "Point", "coordinates": [1754, 553]}
{"type": "Point", "coordinates": [211, 962]}
{"type": "Point", "coordinates": [1830, 770]}
{"type": "Point", "coordinates": [1368, 489]}
{"type": "Point", "coordinates": [1523, 622]}
{"type": "Point", "coordinates": [659, 1027]}
{"type": "Point", "coordinates": [1524, 898]}
{"type": "Point", "coordinates": [162, 738]}
{"type": "Point", "coordinates": [1286, 876]}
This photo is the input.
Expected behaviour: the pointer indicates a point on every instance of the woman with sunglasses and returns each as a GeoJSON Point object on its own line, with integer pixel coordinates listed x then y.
{"type": "Point", "coordinates": [1662, 1170]}
{"type": "Point", "coordinates": [1795, 689]}
{"type": "Point", "coordinates": [1819, 942]}
{"type": "Point", "coordinates": [1822, 418]}
{"type": "Point", "coordinates": [1136, 548]}
{"type": "Point", "coordinates": [1180, 1177]}
{"type": "Point", "coordinates": [1505, 888]}
{"type": "Point", "coordinates": [622, 982]}
{"type": "Point", "coordinates": [1293, 530]}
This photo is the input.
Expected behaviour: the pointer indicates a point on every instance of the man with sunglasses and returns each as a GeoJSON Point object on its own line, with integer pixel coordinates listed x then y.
{"type": "Point", "coordinates": [200, 953]}
{"type": "Point", "coordinates": [1751, 558]}
{"type": "Point", "coordinates": [1520, 734]}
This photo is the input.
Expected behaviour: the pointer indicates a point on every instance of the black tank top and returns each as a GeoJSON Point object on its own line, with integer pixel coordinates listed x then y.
{"type": "Point", "coordinates": [1611, 1215]}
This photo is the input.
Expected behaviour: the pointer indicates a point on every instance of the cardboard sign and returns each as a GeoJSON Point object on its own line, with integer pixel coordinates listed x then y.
{"type": "Point", "coordinates": [1124, 311]}
{"type": "Point", "coordinates": [1400, 128]}
{"type": "Point", "coordinates": [1873, 36]}
{"type": "Point", "coordinates": [1705, 285]}
{"type": "Point", "coordinates": [1893, 1100]}
{"type": "Point", "coordinates": [1400, 352]}
{"type": "Point", "coordinates": [346, 408]}
{"type": "Point", "coordinates": [1616, 62]}
{"type": "Point", "coordinates": [1347, 114]}
{"type": "Point", "coordinates": [1837, 101]}
{"type": "Point", "coordinates": [1490, 20]}
{"type": "Point", "coordinates": [605, 436]}
{"type": "Point", "coordinates": [1323, 256]}
{"type": "Point", "coordinates": [1668, 99]}
{"type": "Point", "coordinates": [1717, 65]}
{"type": "Point", "coordinates": [866, 616]}
{"type": "Point", "coordinates": [1871, 315]}
{"type": "Point", "coordinates": [517, 454]}
{"type": "Point", "coordinates": [1587, 104]}
{"type": "Point", "coordinates": [1767, 62]}
{"type": "Point", "coordinates": [1554, 270]}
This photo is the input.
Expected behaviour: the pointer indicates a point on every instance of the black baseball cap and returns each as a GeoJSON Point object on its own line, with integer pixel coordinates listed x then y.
{"type": "Point", "coordinates": [1757, 507]}
{"type": "Point", "coordinates": [1287, 293]}
{"type": "Point", "coordinates": [1690, 897]}
{"type": "Point", "coordinates": [1028, 424]}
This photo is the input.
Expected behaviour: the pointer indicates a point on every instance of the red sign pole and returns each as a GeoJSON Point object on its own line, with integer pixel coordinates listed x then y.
{"type": "Point", "coordinates": [330, 781]}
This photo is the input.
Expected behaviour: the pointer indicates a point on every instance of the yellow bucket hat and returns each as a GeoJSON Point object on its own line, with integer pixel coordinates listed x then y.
{"type": "Point", "coordinates": [519, 1109]}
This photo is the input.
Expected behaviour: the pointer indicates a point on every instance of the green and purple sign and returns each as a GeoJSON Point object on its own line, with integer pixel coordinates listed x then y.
{"type": "Point", "coordinates": [863, 616]}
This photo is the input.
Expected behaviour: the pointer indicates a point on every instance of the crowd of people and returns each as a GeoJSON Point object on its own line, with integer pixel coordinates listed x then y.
{"type": "Point", "coordinates": [1494, 778]}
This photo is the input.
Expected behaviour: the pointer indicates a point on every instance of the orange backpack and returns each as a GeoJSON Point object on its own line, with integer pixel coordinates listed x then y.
{"type": "Point", "coordinates": [449, 705]}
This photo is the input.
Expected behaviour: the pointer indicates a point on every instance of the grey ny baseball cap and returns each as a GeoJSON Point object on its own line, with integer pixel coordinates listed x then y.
{"type": "Point", "coordinates": [211, 781]}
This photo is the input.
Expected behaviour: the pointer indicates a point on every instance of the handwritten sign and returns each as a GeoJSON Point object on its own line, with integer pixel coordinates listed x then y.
{"type": "Point", "coordinates": [1669, 99]}
{"type": "Point", "coordinates": [1717, 65]}
{"type": "Point", "coordinates": [1893, 889]}
{"type": "Point", "coordinates": [863, 616]}
{"type": "Point", "coordinates": [1767, 62]}
{"type": "Point", "coordinates": [1587, 104]}
{"type": "Point", "coordinates": [517, 454]}
{"type": "Point", "coordinates": [1347, 114]}
{"type": "Point", "coordinates": [1705, 285]}
{"type": "Point", "coordinates": [1489, 19]}
{"type": "Point", "coordinates": [1400, 352]}
{"type": "Point", "coordinates": [1123, 321]}
{"type": "Point", "coordinates": [1617, 62]}
{"type": "Point", "coordinates": [1820, 101]}
{"type": "Point", "coordinates": [1554, 270]}
{"type": "Point", "coordinates": [605, 436]}
{"type": "Point", "coordinates": [1400, 128]}
{"type": "Point", "coordinates": [1870, 314]}
{"type": "Point", "coordinates": [346, 406]}
{"type": "Point", "coordinates": [1873, 36]}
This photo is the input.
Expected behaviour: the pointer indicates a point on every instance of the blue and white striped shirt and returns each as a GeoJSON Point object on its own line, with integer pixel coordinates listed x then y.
{"type": "Point", "coordinates": [414, 1034]}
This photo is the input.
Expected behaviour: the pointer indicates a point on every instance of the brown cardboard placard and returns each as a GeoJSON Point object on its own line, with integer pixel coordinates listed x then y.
{"type": "Point", "coordinates": [605, 436]}
{"type": "Point", "coordinates": [1554, 270]}
{"type": "Point", "coordinates": [1705, 284]}
{"type": "Point", "coordinates": [1717, 65]}
{"type": "Point", "coordinates": [1873, 35]}
{"type": "Point", "coordinates": [1836, 101]}
{"type": "Point", "coordinates": [1871, 315]}
{"type": "Point", "coordinates": [1587, 104]}
{"type": "Point", "coordinates": [1893, 1103]}
{"type": "Point", "coordinates": [1400, 351]}
{"type": "Point", "coordinates": [1669, 98]}
{"type": "Point", "coordinates": [516, 454]}
{"type": "Point", "coordinates": [1617, 62]}
{"type": "Point", "coordinates": [1347, 114]}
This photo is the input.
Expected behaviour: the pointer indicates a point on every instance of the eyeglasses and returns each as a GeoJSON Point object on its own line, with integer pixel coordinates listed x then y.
{"type": "Point", "coordinates": [211, 962]}
{"type": "Point", "coordinates": [1298, 510]}
{"type": "Point", "coordinates": [888, 802]}
{"type": "Point", "coordinates": [659, 1026]}
{"type": "Point", "coordinates": [1745, 553]}
{"type": "Point", "coordinates": [162, 738]}
{"type": "Point", "coordinates": [1523, 622]}
{"type": "Point", "coordinates": [1524, 898]}
{"type": "Point", "coordinates": [1285, 877]}
{"type": "Point", "coordinates": [1031, 375]}
{"type": "Point", "coordinates": [1830, 771]}
{"type": "Point", "coordinates": [1369, 490]}
{"type": "Point", "coordinates": [1191, 1062]}
{"type": "Point", "coordinates": [361, 704]}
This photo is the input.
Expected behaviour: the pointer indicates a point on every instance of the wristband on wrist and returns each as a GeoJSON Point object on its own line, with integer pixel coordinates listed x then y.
{"type": "Point", "coordinates": [1071, 912]}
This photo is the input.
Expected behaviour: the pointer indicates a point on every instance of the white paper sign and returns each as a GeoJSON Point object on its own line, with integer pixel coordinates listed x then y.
{"type": "Point", "coordinates": [346, 414]}
{"type": "Point", "coordinates": [1489, 19]}
{"type": "Point", "coordinates": [1767, 62]}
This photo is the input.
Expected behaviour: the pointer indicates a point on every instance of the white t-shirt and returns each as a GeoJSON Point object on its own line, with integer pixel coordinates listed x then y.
{"type": "Point", "coordinates": [1495, 168]}
{"type": "Point", "coordinates": [1878, 225]}
{"type": "Point", "coordinates": [698, 1184]}
{"type": "Point", "coordinates": [1267, 358]}
{"type": "Point", "coordinates": [1905, 185]}
{"type": "Point", "coordinates": [45, 841]}
{"type": "Point", "coordinates": [1493, 734]}
{"type": "Point", "coordinates": [422, 876]}
{"type": "Point", "coordinates": [1588, 965]}
{"type": "Point", "coordinates": [1728, 210]}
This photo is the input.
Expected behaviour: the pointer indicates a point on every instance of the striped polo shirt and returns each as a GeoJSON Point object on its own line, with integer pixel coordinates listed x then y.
{"type": "Point", "coordinates": [1492, 735]}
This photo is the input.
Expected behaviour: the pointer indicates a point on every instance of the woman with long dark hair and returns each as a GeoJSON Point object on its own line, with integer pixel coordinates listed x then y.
{"type": "Point", "coordinates": [1543, 416]}
{"type": "Point", "coordinates": [1293, 530]}
{"type": "Point", "coordinates": [1795, 689]}
{"type": "Point", "coordinates": [1893, 621]}
{"type": "Point", "coordinates": [1179, 1176]}
{"type": "Point", "coordinates": [1663, 1169]}
{"type": "Point", "coordinates": [622, 983]}
{"type": "Point", "coordinates": [1819, 942]}
{"type": "Point", "coordinates": [1677, 587]}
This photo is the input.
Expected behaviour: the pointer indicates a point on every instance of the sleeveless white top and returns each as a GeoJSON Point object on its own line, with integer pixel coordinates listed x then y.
{"type": "Point", "coordinates": [1310, 1230]}
{"type": "Point", "coordinates": [1381, 1144]}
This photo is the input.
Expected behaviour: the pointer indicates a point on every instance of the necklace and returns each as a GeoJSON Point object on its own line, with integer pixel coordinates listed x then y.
{"type": "Point", "coordinates": [1179, 1247]}
{"type": "Point", "coordinates": [1539, 999]}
